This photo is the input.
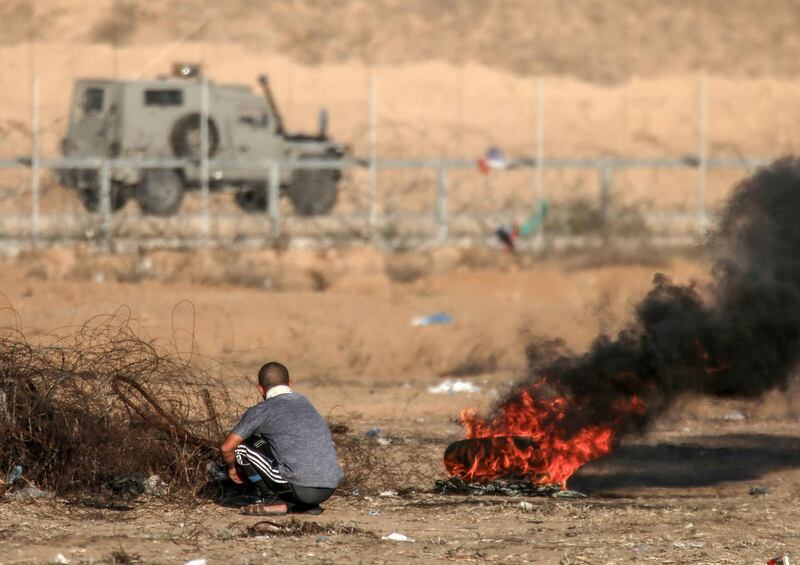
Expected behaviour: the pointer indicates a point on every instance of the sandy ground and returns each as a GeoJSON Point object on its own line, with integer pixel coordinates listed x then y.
{"type": "Point", "coordinates": [679, 494]}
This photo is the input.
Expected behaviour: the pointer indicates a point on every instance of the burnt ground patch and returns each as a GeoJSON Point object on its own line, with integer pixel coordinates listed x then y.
{"type": "Point", "coordinates": [705, 461]}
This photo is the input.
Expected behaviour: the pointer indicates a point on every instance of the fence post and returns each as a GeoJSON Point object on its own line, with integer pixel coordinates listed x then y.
{"type": "Point", "coordinates": [702, 161]}
{"type": "Point", "coordinates": [272, 197]}
{"type": "Point", "coordinates": [606, 180]}
{"type": "Point", "coordinates": [373, 151]}
{"type": "Point", "coordinates": [105, 200]}
{"type": "Point", "coordinates": [35, 163]}
{"type": "Point", "coordinates": [204, 191]}
{"type": "Point", "coordinates": [538, 179]}
{"type": "Point", "coordinates": [441, 203]}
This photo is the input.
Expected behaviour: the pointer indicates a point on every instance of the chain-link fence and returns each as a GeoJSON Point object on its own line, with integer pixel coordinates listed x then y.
{"type": "Point", "coordinates": [417, 173]}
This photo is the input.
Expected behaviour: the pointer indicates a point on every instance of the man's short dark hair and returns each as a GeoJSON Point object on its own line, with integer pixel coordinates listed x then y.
{"type": "Point", "coordinates": [273, 374]}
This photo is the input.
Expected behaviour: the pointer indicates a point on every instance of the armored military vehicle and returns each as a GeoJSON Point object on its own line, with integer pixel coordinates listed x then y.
{"type": "Point", "coordinates": [162, 119]}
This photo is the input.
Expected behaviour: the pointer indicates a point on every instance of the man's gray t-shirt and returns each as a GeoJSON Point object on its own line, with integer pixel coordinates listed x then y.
{"type": "Point", "coordinates": [298, 437]}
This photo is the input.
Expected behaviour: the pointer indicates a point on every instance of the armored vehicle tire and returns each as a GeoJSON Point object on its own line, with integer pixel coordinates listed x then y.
{"type": "Point", "coordinates": [160, 193]}
{"type": "Point", "coordinates": [314, 191]}
{"type": "Point", "coordinates": [90, 196]}
{"type": "Point", "coordinates": [252, 197]}
{"type": "Point", "coordinates": [186, 140]}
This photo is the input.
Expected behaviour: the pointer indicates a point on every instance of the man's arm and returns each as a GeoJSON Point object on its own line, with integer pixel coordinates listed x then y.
{"type": "Point", "coordinates": [228, 449]}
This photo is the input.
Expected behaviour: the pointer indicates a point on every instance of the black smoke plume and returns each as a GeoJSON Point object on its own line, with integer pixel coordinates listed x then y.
{"type": "Point", "coordinates": [740, 341]}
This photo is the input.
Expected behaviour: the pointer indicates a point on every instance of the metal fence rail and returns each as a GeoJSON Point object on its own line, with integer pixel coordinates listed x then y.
{"type": "Point", "coordinates": [440, 225]}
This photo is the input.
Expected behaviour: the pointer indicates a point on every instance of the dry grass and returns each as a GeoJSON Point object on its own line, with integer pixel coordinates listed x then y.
{"type": "Point", "coordinates": [81, 411]}
{"type": "Point", "coordinates": [91, 411]}
{"type": "Point", "coordinates": [294, 527]}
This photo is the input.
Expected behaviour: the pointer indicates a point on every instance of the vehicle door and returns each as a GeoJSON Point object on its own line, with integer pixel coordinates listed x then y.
{"type": "Point", "coordinates": [92, 130]}
{"type": "Point", "coordinates": [253, 135]}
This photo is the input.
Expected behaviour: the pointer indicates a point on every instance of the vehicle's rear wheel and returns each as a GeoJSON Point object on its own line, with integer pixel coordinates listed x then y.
{"type": "Point", "coordinates": [91, 198]}
{"type": "Point", "coordinates": [314, 191]}
{"type": "Point", "coordinates": [161, 192]}
{"type": "Point", "coordinates": [253, 197]}
{"type": "Point", "coordinates": [89, 192]}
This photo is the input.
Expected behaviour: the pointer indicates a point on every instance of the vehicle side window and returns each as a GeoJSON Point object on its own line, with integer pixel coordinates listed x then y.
{"type": "Point", "coordinates": [255, 117]}
{"type": "Point", "coordinates": [162, 97]}
{"type": "Point", "coordinates": [92, 101]}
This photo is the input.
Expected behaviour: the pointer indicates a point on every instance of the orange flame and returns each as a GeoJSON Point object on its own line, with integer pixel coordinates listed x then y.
{"type": "Point", "coordinates": [530, 439]}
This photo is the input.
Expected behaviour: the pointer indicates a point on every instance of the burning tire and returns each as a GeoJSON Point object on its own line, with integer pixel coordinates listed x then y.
{"type": "Point", "coordinates": [485, 459]}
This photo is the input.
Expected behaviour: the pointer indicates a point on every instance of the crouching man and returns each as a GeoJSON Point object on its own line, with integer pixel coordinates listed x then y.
{"type": "Point", "coordinates": [284, 447]}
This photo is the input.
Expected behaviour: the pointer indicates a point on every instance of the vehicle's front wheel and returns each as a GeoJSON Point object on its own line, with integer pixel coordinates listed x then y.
{"type": "Point", "coordinates": [160, 193]}
{"type": "Point", "coordinates": [314, 191]}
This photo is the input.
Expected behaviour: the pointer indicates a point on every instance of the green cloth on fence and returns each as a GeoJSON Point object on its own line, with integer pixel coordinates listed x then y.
{"type": "Point", "coordinates": [536, 220]}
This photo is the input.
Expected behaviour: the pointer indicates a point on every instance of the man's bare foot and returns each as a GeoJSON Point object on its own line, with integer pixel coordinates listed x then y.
{"type": "Point", "coordinates": [265, 509]}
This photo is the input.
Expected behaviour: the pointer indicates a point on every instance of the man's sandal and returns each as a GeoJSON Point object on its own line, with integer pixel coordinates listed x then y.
{"type": "Point", "coordinates": [263, 509]}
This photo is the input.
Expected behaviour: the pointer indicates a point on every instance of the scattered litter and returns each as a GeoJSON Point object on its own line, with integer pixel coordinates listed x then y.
{"type": "Point", "coordinates": [565, 493]}
{"type": "Point", "coordinates": [756, 491]}
{"type": "Point", "coordinates": [509, 233]}
{"type": "Point", "coordinates": [735, 416]}
{"type": "Point", "coordinates": [493, 159]}
{"type": "Point", "coordinates": [782, 560]}
{"type": "Point", "coordinates": [434, 319]}
{"type": "Point", "coordinates": [374, 512]}
{"type": "Point", "coordinates": [99, 278]}
{"type": "Point", "coordinates": [377, 435]}
{"type": "Point", "coordinates": [323, 539]}
{"type": "Point", "coordinates": [452, 387]}
{"type": "Point", "coordinates": [388, 493]}
{"type": "Point", "coordinates": [394, 536]}
{"type": "Point", "coordinates": [59, 558]}
{"type": "Point", "coordinates": [154, 486]}
{"type": "Point", "coordinates": [216, 470]}
{"type": "Point", "coordinates": [14, 474]}
{"type": "Point", "coordinates": [144, 267]}
{"type": "Point", "coordinates": [128, 486]}
{"type": "Point", "coordinates": [457, 485]}
{"type": "Point", "coordinates": [30, 492]}
{"type": "Point", "coordinates": [527, 506]}
{"type": "Point", "coordinates": [201, 561]}
{"type": "Point", "coordinates": [293, 527]}
{"type": "Point", "coordinates": [688, 544]}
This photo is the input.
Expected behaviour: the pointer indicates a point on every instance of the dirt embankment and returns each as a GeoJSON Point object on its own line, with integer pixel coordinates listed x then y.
{"type": "Point", "coordinates": [595, 40]}
{"type": "Point", "coordinates": [341, 312]}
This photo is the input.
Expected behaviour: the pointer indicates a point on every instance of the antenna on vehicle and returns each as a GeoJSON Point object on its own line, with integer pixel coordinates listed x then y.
{"type": "Point", "coordinates": [169, 49]}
